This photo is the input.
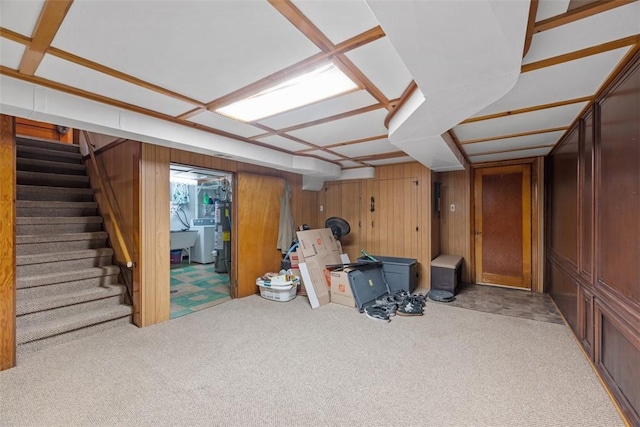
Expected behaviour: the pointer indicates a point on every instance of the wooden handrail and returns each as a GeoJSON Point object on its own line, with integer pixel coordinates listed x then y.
{"type": "Point", "coordinates": [109, 205]}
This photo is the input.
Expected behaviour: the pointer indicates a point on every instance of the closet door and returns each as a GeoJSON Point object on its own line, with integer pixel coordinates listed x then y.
{"type": "Point", "coordinates": [257, 202]}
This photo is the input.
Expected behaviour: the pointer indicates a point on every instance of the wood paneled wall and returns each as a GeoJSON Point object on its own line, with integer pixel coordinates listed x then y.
{"type": "Point", "coordinates": [455, 226]}
{"type": "Point", "coordinates": [7, 243]}
{"type": "Point", "coordinates": [400, 224]}
{"type": "Point", "coordinates": [31, 128]}
{"type": "Point", "coordinates": [153, 267]}
{"type": "Point", "coordinates": [595, 234]}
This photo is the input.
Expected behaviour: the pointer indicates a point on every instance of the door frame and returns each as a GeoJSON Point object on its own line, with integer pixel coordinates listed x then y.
{"type": "Point", "coordinates": [537, 219]}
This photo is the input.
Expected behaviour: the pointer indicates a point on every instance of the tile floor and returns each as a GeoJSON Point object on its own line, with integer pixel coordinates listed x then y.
{"type": "Point", "coordinates": [196, 287]}
{"type": "Point", "coordinates": [507, 302]}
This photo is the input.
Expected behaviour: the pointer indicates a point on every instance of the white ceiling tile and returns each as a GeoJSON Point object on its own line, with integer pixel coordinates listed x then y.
{"type": "Point", "coordinates": [380, 62]}
{"type": "Point", "coordinates": [536, 152]}
{"type": "Point", "coordinates": [603, 27]}
{"type": "Point", "coordinates": [324, 155]}
{"type": "Point", "coordinates": [573, 79]}
{"type": "Point", "coordinates": [11, 53]}
{"type": "Point", "coordinates": [71, 74]}
{"type": "Point", "coordinates": [20, 15]}
{"type": "Point", "coordinates": [518, 142]}
{"type": "Point", "coordinates": [391, 161]}
{"type": "Point", "coordinates": [341, 104]}
{"type": "Point", "coordinates": [347, 129]}
{"type": "Point", "coordinates": [284, 143]}
{"type": "Point", "coordinates": [217, 121]}
{"type": "Point", "coordinates": [377, 146]}
{"type": "Point", "coordinates": [338, 20]}
{"type": "Point", "coordinates": [210, 48]}
{"type": "Point", "coordinates": [518, 123]}
{"type": "Point", "coordinates": [550, 8]}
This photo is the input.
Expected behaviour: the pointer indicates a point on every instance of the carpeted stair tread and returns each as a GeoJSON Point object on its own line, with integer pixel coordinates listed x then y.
{"type": "Point", "coordinates": [46, 153]}
{"type": "Point", "coordinates": [36, 220]}
{"type": "Point", "coordinates": [62, 237]}
{"type": "Point", "coordinates": [97, 328]}
{"type": "Point", "coordinates": [39, 165]}
{"type": "Point", "coordinates": [71, 323]}
{"type": "Point", "coordinates": [47, 144]}
{"type": "Point", "coordinates": [66, 287]}
{"type": "Point", "coordinates": [32, 305]}
{"type": "Point", "coordinates": [66, 276]}
{"type": "Point", "coordinates": [36, 208]}
{"type": "Point", "coordinates": [50, 193]}
{"type": "Point", "coordinates": [48, 179]}
{"type": "Point", "coordinates": [62, 256]}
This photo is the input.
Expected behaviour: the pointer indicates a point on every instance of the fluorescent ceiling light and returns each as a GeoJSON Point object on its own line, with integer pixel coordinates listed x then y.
{"type": "Point", "coordinates": [319, 84]}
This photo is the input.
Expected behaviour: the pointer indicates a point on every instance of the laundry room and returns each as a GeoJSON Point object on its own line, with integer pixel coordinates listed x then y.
{"type": "Point", "coordinates": [200, 238]}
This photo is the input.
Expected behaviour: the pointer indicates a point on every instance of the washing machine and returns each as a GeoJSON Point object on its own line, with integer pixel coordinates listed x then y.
{"type": "Point", "coordinates": [205, 242]}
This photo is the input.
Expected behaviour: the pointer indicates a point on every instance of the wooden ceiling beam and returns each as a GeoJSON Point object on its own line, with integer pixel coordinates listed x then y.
{"type": "Point", "coordinates": [514, 135]}
{"type": "Point", "coordinates": [13, 36]}
{"type": "Point", "coordinates": [528, 109]}
{"type": "Point", "coordinates": [513, 150]}
{"type": "Point", "coordinates": [302, 23]}
{"type": "Point", "coordinates": [531, 22]}
{"type": "Point", "coordinates": [382, 156]}
{"type": "Point", "coordinates": [582, 53]}
{"type": "Point", "coordinates": [406, 94]}
{"type": "Point", "coordinates": [49, 21]}
{"type": "Point", "coordinates": [579, 13]}
{"type": "Point", "coordinates": [355, 141]}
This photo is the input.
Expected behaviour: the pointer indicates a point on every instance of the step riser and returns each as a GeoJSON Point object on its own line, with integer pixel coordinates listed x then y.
{"type": "Point", "coordinates": [57, 228]}
{"type": "Point", "coordinates": [52, 180]}
{"type": "Point", "coordinates": [75, 245]}
{"type": "Point", "coordinates": [58, 146]}
{"type": "Point", "coordinates": [54, 194]}
{"type": "Point", "coordinates": [55, 212]}
{"type": "Point", "coordinates": [37, 165]}
{"type": "Point", "coordinates": [65, 287]}
{"type": "Point", "coordinates": [32, 346]}
{"type": "Point", "coordinates": [49, 155]}
{"type": "Point", "coordinates": [49, 304]}
{"type": "Point", "coordinates": [52, 315]}
{"type": "Point", "coordinates": [61, 266]}
{"type": "Point", "coordinates": [67, 276]}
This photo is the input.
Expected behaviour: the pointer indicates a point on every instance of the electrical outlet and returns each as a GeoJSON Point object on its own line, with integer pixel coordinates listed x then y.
{"type": "Point", "coordinates": [452, 207]}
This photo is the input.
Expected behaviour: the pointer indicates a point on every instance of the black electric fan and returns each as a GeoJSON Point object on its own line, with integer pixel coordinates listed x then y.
{"type": "Point", "coordinates": [338, 226]}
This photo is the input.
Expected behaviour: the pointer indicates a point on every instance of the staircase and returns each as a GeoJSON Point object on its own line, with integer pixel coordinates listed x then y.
{"type": "Point", "coordinates": [66, 284]}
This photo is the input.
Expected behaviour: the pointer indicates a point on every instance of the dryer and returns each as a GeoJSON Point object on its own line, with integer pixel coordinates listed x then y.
{"type": "Point", "coordinates": [205, 242]}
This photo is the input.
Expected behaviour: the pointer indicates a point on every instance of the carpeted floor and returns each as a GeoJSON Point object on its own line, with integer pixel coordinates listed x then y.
{"type": "Point", "coordinates": [195, 287]}
{"type": "Point", "coordinates": [252, 361]}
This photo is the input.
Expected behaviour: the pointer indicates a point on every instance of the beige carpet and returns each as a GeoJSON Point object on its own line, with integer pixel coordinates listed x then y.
{"type": "Point", "coordinates": [258, 362]}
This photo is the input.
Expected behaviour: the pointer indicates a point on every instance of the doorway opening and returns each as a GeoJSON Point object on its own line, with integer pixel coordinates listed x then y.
{"type": "Point", "coordinates": [200, 220]}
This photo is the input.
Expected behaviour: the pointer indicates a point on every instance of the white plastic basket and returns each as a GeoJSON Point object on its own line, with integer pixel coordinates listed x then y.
{"type": "Point", "coordinates": [278, 289]}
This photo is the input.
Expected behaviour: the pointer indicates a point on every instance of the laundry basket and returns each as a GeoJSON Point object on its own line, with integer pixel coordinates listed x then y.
{"type": "Point", "coordinates": [279, 288]}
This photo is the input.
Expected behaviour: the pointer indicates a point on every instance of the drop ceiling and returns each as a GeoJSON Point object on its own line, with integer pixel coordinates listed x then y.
{"type": "Point", "coordinates": [452, 92]}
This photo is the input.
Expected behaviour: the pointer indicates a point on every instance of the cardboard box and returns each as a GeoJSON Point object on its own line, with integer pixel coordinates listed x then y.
{"type": "Point", "coordinates": [341, 289]}
{"type": "Point", "coordinates": [317, 249]}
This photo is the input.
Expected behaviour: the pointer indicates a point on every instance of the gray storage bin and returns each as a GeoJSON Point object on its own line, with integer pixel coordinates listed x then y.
{"type": "Point", "coordinates": [401, 273]}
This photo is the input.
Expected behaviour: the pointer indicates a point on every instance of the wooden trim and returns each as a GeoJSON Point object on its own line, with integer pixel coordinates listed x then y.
{"type": "Point", "coordinates": [16, 37]}
{"type": "Point", "coordinates": [354, 73]}
{"type": "Point", "coordinates": [456, 141]}
{"type": "Point", "coordinates": [8, 247]}
{"type": "Point", "coordinates": [49, 21]}
{"type": "Point", "coordinates": [406, 94]}
{"type": "Point", "coordinates": [579, 13]}
{"type": "Point", "coordinates": [531, 22]}
{"type": "Point", "coordinates": [513, 150]}
{"type": "Point", "coordinates": [528, 109]}
{"type": "Point", "coordinates": [582, 53]}
{"type": "Point", "coordinates": [355, 141]}
{"type": "Point", "coordinates": [302, 23]}
{"type": "Point", "coordinates": [122, 76]}
{"type": "Point", "coordinates": [382, 156]}
{"type": "Point", "coordinates": [513, 135]}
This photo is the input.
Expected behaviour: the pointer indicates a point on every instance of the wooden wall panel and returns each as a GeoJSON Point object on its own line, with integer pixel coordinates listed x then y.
{"type": "Point", "coordinates": [564, 199]}
{"type": "Point", "coordinates": [120, 164]}
{"type": "Point", "coordinates": [585, 194]}
{"type": "Point", "coordinates": [32, 128]}
{"type": "Point", "coordinates": [455, 226]}
{"type": "Point", "coordinates": [154, 236]}
{"type": "Point", "coordinates": [618, 201]}
{"type": "Point", "coordinates": [7, 243]}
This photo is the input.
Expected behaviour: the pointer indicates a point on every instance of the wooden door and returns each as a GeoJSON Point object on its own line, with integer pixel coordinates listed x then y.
{"type": "Point", "coordinates": [257, 204]}
{"type": "Point", "coordinates": [503, 226]}
{"type": "Point", "coordinates": [395, 215]}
